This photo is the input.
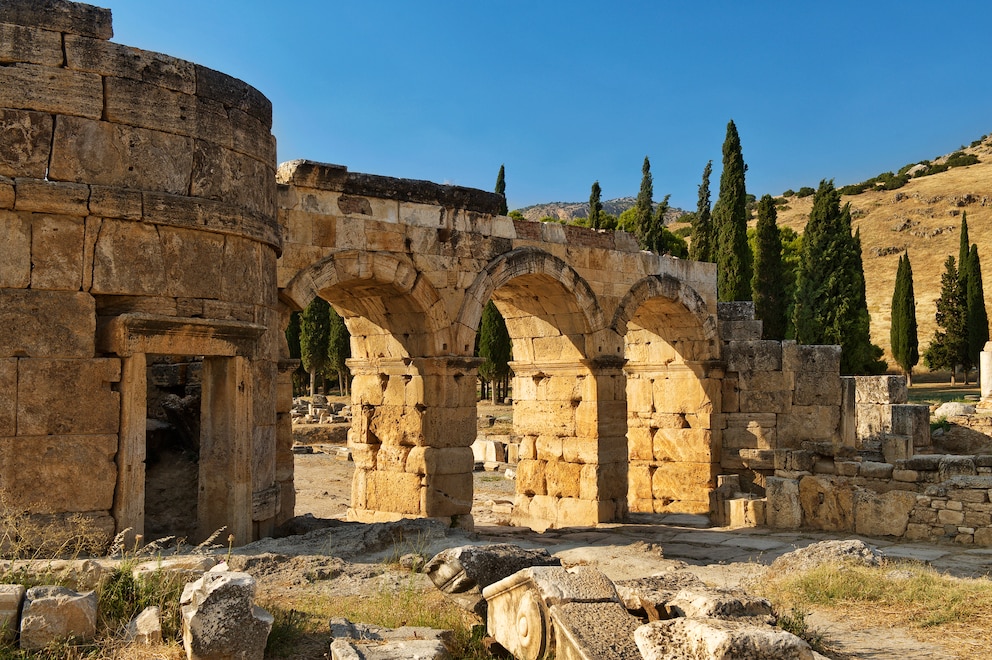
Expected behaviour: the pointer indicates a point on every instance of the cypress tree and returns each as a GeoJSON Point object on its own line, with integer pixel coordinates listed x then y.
{"type": "Point", "coordinates": [595, 205]}
{"type": "Point", "coordinates": [315, 328]}
{"type": "Point", "coordinates": [978, 318]}
{"type": "Point", "coordinates": [949, 346]}
{"type": "Point", "coordinates": [768, 282]}
{"type": "Point", "coordinates": [501, 189]}
{"type": "Point", "coordinates": [902, 331]}
{"type": "Point", "coordinates": [495, 347]}
{"type": "Point", "coordinates": [964, 251]}
{"type": "Point", "coordinates": [701, 248]}
{"type": "Point", "coordinates": [730, 224]}
{"type": "Point", "coordinates": [644, 205]}
{"type": "Point", "coordinates": [831, 306]}
{"type": "Point", "coordinates": [338, 349]}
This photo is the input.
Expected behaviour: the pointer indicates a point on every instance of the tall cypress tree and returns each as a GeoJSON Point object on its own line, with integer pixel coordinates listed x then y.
{"type": "Point", "coordinates": [768, 283]}
{"type": "Point", "coordinates": [964, 251]}
{"type": "Point", "coordinates": [730, 223]}
{"type": "Point", "coordinates": [978, 318]}
{"type": "Point", "coordinates": [902, 330]}
{"type": "Point", "coordinates": [644, 205]}
{"type": "Point", "coordinates": [595, 205]}
{"type": "Point", "coordinates": [495, 347]}
{"type": "Point", "coordinates": [338, 349]}
{"type": "Point", "coordinates": [701, 248]}
{"type": "Point", "coordinates": [831, 305]}
{"type": "Point", "coordinates": [501, 189]}
{"type": "Point", "coordinates": [949, 346]}
{"type": "Point", "coordinates": [315, 328]}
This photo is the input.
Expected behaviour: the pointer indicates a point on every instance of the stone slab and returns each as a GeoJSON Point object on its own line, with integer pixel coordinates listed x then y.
{"type": "Point", "coordinates": [47, 324]}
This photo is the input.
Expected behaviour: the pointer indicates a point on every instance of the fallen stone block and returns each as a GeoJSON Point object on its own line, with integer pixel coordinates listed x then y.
{"type": "Point", "coordinates": [827, 551]}
{"type": "Point", "coordinates": [359, 641]}
{"type": "Point", "coordinates": [574, 613]}
{"type": "Point", "coordinates": [220, 619]}
{"type": "Point", "coordinates": [705, 602]}
{"type": "Point", "coordinates": [56, 613]}
{"type": "Point", "coordinates": [718, 639]}
{"type": "Point", "coordinates": [651, 595]}
{"type": "Point", "coordinates": [11, 600]}
{"type": "Point", "coordinates": [146, 628]}
{"type": "Point", "coordinates": [462, 573]}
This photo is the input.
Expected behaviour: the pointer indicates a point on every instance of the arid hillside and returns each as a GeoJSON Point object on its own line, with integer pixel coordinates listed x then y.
{"type": "Point", "coordinates": [924, 217]}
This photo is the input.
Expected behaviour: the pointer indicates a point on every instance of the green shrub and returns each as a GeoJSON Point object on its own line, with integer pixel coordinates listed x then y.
{"type": "Point", "coordinates": [805, 191]}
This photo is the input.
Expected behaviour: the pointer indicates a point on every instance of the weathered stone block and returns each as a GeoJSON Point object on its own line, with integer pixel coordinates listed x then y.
{"type": "Point", "coordinates": [913, 421]}
{"type": "Point", "coordinates": [447, 495]}
{"type": "Point", "coordinates": [709, 638]}
{"type": "Point", "coordinates": [803, 359]}
{"type": "Point", "coordinates": [43, 475]}
{"type": "Point", "coordinates": [52, 196]}
{"type": "Point", "coordinates": [25, 140]}
{"type": "Point", "coordinates": [745, 512]}
{"type": "Point", "coordinates": [562, 478]}
{"type": "Point", "coordinates": [15, 251]}
{"type": "Point", "coordinates": [47, 324]}
{"type": "Point", "coordinates": [57, 613]}
{"type": "Point", "coordinates": [817, 389]}
{"type": "Point", "coordinates": [640, 443]}
{"type": "Point", "coordinates": [896, 447]}
{"type": "Point", "coordinates": [808, 423]}
{"type": "Point", "coordinates": [827, 503]}
{"type": "Point", "coordinates": [880, 389]}
{"type": "Point", "coordinates": [60, 16]}
{"type": "Point", "coordinates": [84, 404]}
{"type": "Point", "coordinates": [103, 153]}
{"type": "Point", "coordinates": [396, 492]}
{"type": "Point", "coordinates": [639, 482]}
{"type": "Point", "coordinates": [20, 43]}
{"type": "Point", "coordinates": [56, 252]}
{"type": "Point", "coordinates": [11, 599]}
{"type": "Point", "coordinates": [220, 618]}
{"type": "Point", "coordinates": [874, 470]}
{"type": "Point", "coordinates": [766, 401]}
{"type": "Point", "coordinates": [883, 514]}
{"type": "Point", "coordinates": [747, 357]}
{"type": "Point", "coordinates": [684, 445]}
{"type": "Point", "coordinates": [684, 481]}
{"type": "Point", "coordinates": [954, 466]}
{"type": "Point", "coordinates": [435, 460]}
{"type": "Point", "coordinates": [48, 89]}
{"type": "Point", "coordinates": [120, 61]}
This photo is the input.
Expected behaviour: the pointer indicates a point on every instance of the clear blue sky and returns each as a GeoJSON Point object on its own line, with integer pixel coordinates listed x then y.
{"type": "Point", "coordinates": [566, 93]}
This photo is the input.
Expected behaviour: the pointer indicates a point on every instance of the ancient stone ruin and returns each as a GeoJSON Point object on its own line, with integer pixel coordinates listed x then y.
{"type": "Point", "coordinates": [152, 252]}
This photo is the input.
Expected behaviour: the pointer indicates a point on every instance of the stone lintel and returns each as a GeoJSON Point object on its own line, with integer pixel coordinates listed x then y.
{"type": "Point", "coordinates": [701, 368]}
{"type": "Point", "coordinates": [337, 178]}
{"type": "Point", "coordinates": [129, 334]}
{"type": "Point", "coordinates": [595, 367]}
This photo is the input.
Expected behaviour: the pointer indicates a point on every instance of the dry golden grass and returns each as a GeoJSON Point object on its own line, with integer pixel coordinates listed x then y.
{"type": "Point", "coordinates": [955, 613]}
{"type": "Point", "coordinates": [930, 203]}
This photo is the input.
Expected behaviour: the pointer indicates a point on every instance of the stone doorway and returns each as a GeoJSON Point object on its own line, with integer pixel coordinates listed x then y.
{"type": "Point", "coordinates": [172, 446]}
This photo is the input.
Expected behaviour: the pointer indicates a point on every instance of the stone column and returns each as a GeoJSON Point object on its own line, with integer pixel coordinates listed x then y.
{"type": "Point", "coordinates": [985, 376]}
{"type": "Point", "coordinates": [225, 449]}
{"type": "Point", "coordinates": [573, 452]}
{"type": "Point", "coordinates": [413, 426]}
{"type": "Point", "coordinates": [673, 446]}
{"type": "Point", "coordinates": [129, 495]}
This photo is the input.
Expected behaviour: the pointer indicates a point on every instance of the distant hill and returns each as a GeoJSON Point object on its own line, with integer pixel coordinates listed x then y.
{"type": "Point", "coordinates": [923, 217]}
{"type": "Point", "coordinates": [569, 211]}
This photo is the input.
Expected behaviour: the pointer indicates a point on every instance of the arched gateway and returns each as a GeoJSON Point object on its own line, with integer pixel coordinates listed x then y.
{"type": "Point", "coordinates": [150, 255]}
{"type": "Point", "coordinates": [606, 338]}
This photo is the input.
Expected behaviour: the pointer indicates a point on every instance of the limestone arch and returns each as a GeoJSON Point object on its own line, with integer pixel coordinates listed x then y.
{"type": "Point", "coordinates": [673, 387]}
{"type": "Point", "coordinates": [382, 297]}
{"type": "Point", "coordinates": [529, 283]}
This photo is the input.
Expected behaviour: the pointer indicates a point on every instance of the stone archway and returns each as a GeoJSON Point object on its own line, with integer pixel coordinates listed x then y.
{"type": "Point", "coordinates": [413, 403]}
{"type": "Point", "coordinates": [673, 394]}
{"type": "Point", "coordinates": [568, 407]}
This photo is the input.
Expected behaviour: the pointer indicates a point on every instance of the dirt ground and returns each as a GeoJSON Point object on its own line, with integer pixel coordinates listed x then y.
{"type": "Point", "coordinates": [323, 483]}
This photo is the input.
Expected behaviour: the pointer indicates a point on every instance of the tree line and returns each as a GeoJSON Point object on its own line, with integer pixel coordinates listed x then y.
{"type": "Point", "coordinates": [808, 287]}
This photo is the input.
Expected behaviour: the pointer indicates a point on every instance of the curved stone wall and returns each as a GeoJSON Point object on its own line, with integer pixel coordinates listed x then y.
{"type": "Point", "coordinates": [137, 217]}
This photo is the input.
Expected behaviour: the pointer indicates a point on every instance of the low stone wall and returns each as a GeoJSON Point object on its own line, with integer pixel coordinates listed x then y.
{"type": "Point", "coordinates": [925, 497]}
